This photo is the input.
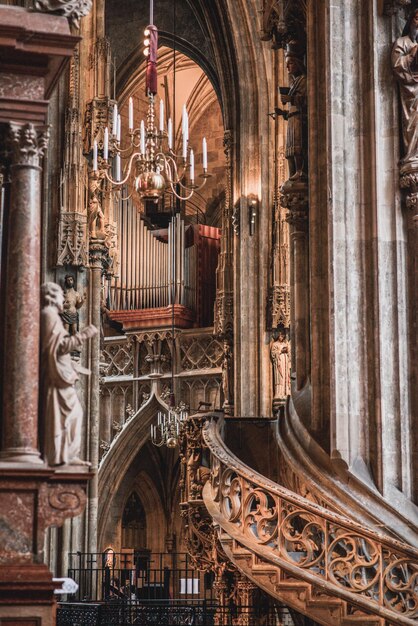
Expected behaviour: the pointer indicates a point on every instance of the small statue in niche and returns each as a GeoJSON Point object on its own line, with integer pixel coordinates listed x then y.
{"type": "Point", "coordinates": [61, 407]}
{"type": "Point", "coordinates": [227, 375]}
{"type": "Point", "coordinates": [296, 114]}
{"type": "Point", "coordinates": [96, 218]}
{"type": "Point", "coordinates": [405, 69]}
{"type": "Point", "coordinates": [111, 243]}
{"type": "Point", "coordinates": [280, 356]}
{"type": "Point", "coordinates": [72, 302]}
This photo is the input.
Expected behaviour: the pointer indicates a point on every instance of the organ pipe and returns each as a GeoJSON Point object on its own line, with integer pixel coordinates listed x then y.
{"type": "Point", "coordinates": [154, 272]}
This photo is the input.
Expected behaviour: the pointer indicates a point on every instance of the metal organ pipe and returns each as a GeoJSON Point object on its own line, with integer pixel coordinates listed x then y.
{"type": "Point", "coordinates": [152, 273]}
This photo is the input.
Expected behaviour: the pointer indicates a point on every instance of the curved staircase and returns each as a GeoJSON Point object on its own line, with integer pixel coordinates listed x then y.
{"type": "Point", "coordinates": [318, 562]}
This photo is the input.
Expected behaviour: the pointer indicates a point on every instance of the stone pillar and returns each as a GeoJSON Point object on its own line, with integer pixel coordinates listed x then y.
{"type": "Point", "coordinates": [224, 305]}
{"type": "Point", "coordinates": [97, 252]}
{"type": "Point", "coordinates": [295, 199]}
{"type": "Point", "coordinates": [245, 592]}
{"type": "Point", "coordinates": [22, 278]}
{"type": "Point", "coordinates": [409, 182]}
{"type": "Point", "coordinates": [221, 589]}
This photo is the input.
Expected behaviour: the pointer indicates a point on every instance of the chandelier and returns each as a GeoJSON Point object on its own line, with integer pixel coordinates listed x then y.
{"type": "Point", "coordinates": [150, 158]}
{"type": "Point", "coordinates": [169, 427]}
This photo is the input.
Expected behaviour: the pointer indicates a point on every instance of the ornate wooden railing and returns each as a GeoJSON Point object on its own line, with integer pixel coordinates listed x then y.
{"type": "Point", "coordinates": [360, 566]}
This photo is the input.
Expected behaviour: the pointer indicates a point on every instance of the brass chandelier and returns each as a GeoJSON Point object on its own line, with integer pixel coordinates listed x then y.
{"type": "Point", "coordinates": [150, 158]}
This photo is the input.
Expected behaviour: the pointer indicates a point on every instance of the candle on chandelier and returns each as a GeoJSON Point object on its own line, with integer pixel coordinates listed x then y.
{"type": "Point", "coordinates": [95, 156]}
{"type": "Point", "coordinates": [115, 120]}
{"type": "Point", "coordinates": [118, 167]}
{"type": "Point", "coordinates": [170, 133]}
{"type": "Point", "coordinates": [185, 123]}
{"type": "Point", "coordinates": [119, 130]}
{"type": "Point", "coordinates": [184, 147]}
{"type": "Point", "coordinates": [106, 144]}
{"type": "Point", "coordinates": [191, 165]}
{"type": "Point", "coordinates": [161, 115]}
{"type": "Point", "coordinates": [142, 137]}
{"type": "Point", "coordinates": [131, 114]}
{"type": "Point", "coordinates": [205, 154]}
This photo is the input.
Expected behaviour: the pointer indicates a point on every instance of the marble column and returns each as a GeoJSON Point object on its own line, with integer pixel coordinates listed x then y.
{"type": "Point", "coordinates": [22, 297]}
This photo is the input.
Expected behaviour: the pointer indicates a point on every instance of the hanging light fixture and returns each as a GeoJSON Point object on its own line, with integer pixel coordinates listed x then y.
{"type": "Point", "coordinates": [169, 427]}
{"type": "Point", "coordinates": [150, 159]}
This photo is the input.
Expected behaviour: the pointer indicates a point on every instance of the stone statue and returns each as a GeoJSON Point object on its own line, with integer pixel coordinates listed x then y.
{"type": "Point", "coordinates": [96, 219]}
{"type": "Point", "coordinates": [280, 356]}
{"type": "Point", "coordinates": [405, 68]}
{"type": "Point", "coordinates": [296, 114]}
{"type": "Point", "coordinates": [72, 302]}
{"type": "Point", "coordinates": [111, 242]}
{"type": "Point", "coordinates": [61, 407]}
{"type": "Point", "coordinates": [227, 376]}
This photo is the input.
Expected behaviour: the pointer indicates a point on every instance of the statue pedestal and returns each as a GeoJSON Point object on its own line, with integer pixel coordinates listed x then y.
{"type": "Point", "coordinates": [31, 501]}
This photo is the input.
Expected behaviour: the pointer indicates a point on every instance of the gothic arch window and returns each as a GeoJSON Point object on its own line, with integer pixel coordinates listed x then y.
{"type": "Point", "coordinates": [134, 524]}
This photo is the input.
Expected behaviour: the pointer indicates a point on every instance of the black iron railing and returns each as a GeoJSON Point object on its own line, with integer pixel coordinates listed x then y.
{"type": "Point", "coordinates": [137, 575]}
{"type": "Point", "coordinates": [169, 613]}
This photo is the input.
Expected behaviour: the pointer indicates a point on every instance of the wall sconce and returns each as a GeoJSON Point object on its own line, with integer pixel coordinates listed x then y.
{"type": "Point", "coordinates": [252, 213]}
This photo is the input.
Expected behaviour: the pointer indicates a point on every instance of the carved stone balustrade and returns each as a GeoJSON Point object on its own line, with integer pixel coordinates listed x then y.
{"type": "Point", "coordinates": [340, 570]}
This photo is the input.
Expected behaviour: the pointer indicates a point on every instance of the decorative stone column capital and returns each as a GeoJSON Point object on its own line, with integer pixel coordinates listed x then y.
{"type": "Point", "coordinates": [409, 182]}
{"type": "Point", "coordinates": [294, 197]}
{"type": "Point", "coordinates": [28, 143]}
{"type": "Point", "coordinates": [98, 255]}
{"type": "Point", "coordinates": [73, 10]}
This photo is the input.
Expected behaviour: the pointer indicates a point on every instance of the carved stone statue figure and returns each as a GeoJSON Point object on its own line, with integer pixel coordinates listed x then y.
{"type": "Point", "coordinates": [279, 352]}
{"type": "Point", "coordinates": [296, 114]}
{"type": "Point", "coordinates": [72, 302]}
{"type": "Point", "coordinates": [405, 68]}
{"type": "Point", "coordinates": [111, 242]}
{"type": "Point", "coordinates": [61, 407]}
{"type": "Point", "coordinates": [227, 375]}
{"type": "Point", "coordinates": [96, 219]}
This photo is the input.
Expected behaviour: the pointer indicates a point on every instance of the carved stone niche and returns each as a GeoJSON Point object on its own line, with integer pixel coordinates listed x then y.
{"type": "Point", "coordinates": [72, 239]}
{"type": "Point", "coordinates": [283, 21]}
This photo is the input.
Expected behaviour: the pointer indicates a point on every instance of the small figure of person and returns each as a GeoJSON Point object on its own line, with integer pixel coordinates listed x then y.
{"type": "Point", "coordinates": [280, 356]}
{"type": "Point", "coordinates": [296, 114]}
{"type": "Point", "coordinates": [72, 302]}
{"type": "Point", "coordinates": [96, 219]}
{"type": "Point", "coordinates": [61, 407]}
{"type": "Point", "coordinates": [405, 69]}
{"type": "Point", "coordinates": [227, 375]}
